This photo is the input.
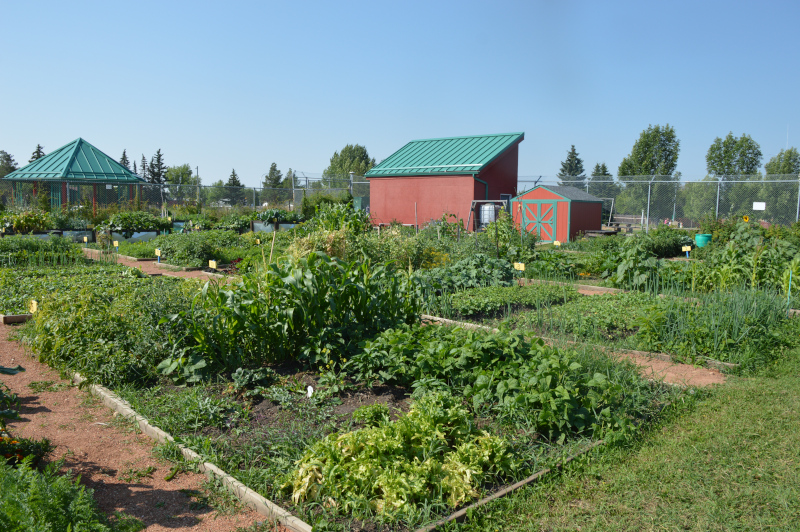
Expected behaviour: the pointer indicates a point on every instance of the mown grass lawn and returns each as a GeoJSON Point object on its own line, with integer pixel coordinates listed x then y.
{"type": "Point", "coordinates": [730, 462]}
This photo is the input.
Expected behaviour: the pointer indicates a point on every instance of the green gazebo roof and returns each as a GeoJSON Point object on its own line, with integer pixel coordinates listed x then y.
{"type": "Point", "coordinates": [76, 161]}
{"type": "Point", "coordinates": [452, 155]}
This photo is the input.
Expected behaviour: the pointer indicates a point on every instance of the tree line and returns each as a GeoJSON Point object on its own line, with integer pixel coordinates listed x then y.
{"type": "Point", "coordinates": [733, 178]}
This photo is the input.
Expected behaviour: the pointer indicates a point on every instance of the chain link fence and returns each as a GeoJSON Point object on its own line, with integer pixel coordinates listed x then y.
{"type": "Point", "coordinates": [774, 199]}
{"type": "Point", "coordinates": [653, 199]}
{"type": "Point", "coordinates": [26, 194]}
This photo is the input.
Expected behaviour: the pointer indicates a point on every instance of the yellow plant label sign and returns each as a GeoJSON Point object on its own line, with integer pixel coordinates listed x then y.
{"type": "Point", "coordinates": [519, 266]}
{"type": "Point", "coordinates": [158, 253]}
{"type": "Point", "coordinates": [212, 264]}
{"type": "Point", "coordinates": [556, 243]}
{"type": "Point", "coordinates": [258, 241]}
{"type": "Point", "coordinates": [169, 218]}
{"type": "Point", "coordinates": [116, 243]}
{"type": "Point", "coordinates": [86, 239]}
{"type": "Point", "coordinates": [34, 306]}
{"type": "Point", "coordinates": [686, 248]}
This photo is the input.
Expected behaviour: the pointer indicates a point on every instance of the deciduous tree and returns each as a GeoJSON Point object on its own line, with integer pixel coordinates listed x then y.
{"type": "Point", "coordinates": [654, 157]}
{"type": "Point", "coordinates": [7, 164]}
{"type": "Point", "coordinates": [733, 157]}
{"type": "Point", "coordinates": [353, 158]}
{"type": "Point", "coordinates": [787, 162]}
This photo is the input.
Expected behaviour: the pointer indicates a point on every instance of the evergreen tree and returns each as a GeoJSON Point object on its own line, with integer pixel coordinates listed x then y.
{"type": "Point", "coordinates": [157, 170]}
{"type": "Point", "coordinates": [7, 164]}
{"type": "Point", "coordinates": [135, 171]}
{"type": "Point", "coordinates": [273, 178]}
{"type": "Point", "coordinates": [571, 173]}
{"type": "Point", "coordinates": [233, 180]}
{"type": "Point", "coordinates": [125, 162]}
{"type": "Point", "coordinates": [602, 184]}
{"type": "Point", "coordinates": [235, 189]}
{"type": "Point", "coordinates": [38, 153]}
{"type": "Point", "coordinates": [273, 191]}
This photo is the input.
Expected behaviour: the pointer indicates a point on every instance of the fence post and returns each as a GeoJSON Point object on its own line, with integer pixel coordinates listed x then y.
{"type": "Point", "coordinates": [647, 226]}
{"type": "Point", "coordinates": [351, 183]}
{"type": "Point", "coordinates": [797, 214]}
{"type": "Point", "coordinates": [716, 210]}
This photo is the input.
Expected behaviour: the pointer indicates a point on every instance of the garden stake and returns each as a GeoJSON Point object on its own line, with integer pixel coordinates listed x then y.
{"type": "Point", "coordinates": [272, 246]}
{"type": "Point", "coordinates": [789, 295]}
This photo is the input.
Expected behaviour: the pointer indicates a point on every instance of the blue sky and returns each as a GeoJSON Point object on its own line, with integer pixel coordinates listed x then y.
{"type": "Point", "coordinates": [244, 84]}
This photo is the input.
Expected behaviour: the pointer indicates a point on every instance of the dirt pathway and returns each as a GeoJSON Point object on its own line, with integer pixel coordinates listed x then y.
{"type": "Point", "coordinates": [110, 458]}
{"type": "Point", "coordinates": [153, 268]}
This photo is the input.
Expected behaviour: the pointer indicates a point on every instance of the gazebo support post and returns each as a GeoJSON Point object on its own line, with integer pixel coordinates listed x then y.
{"type": "Point", "coordinates": [64, 197]}
{"type": "Point", "coordinates": [94, 200]}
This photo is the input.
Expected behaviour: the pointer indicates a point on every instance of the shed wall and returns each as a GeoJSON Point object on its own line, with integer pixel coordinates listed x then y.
{"type": "Point", "coordinates": [501, 174]}
{"type": "Point", "coordinates": [585, 216]}
{"type": "Point", "coordinates": [392, 198]}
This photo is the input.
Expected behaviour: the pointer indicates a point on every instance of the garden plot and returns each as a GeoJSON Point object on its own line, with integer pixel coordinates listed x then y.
{"type": "Point", "coordinates": [747, 328]}
{"type": "Point", "coordinates": [437, 417]}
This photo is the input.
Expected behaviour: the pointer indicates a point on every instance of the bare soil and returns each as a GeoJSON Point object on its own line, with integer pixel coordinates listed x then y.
{"type": "Point", "coordinates": [109, 457]}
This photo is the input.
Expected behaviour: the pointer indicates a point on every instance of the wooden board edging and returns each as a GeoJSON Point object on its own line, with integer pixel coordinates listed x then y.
{"type": "Point", "coordinates": [252, 499]}
{"type": "Point", "coordinates": [8, 319]}
{"type": "Point", "coordinates": [462, 513]}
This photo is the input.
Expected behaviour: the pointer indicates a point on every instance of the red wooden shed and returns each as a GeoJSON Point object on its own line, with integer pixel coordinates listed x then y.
{"type": "Point", "coordinates": [427, 178]}
{"type": "Point", "coordinates": [557, 213]}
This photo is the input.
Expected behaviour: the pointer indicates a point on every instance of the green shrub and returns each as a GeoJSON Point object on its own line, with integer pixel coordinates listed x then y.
{"type": "Point", "coordinates": [311, 202]}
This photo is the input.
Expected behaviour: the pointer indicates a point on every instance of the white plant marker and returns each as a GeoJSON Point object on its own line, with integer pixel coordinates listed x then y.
{"type": "Point", "coordinates": [310, 392]}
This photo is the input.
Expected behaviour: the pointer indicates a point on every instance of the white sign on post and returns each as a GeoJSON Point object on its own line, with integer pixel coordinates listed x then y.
{"type": "Point", "coordinates": [109, 187]}
{"type": "Point", "coordinates": [759, 206]}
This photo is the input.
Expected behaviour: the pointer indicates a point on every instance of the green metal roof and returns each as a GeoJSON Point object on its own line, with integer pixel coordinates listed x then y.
{"type": "Point", "coordinates": [77, 161]}
{"type": "Point", "coordinates": [452, 155]}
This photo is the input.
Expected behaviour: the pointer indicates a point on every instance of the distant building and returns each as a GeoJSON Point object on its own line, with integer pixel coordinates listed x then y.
{"type": "Point", "coordinates": [427, 178]}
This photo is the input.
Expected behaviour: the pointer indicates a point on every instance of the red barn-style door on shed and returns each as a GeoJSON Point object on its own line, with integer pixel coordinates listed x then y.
{"type": "Point", "coordinates": [539, 218]}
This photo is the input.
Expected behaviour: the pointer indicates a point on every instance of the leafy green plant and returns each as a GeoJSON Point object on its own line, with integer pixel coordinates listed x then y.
{"type": "Point", "coordinates": [314, 310]}
{"type": "Point", "coordinates": [129, 222]}
{"type": "Point", "coordinates": [474, 272]}
{"type": "Point", "coordinates": [494, 300]}
{"type": "Point", "coordinates": [30, 221]}
{"type": "Point", "coordinates": [502, 370]}
{"type": "Point", "coordinates": [372, 415]}
{"type": "Point", "coordinates": [31, 501]}
{"type": "Point", "coordinates": [434, 452]}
